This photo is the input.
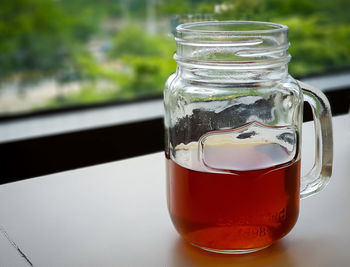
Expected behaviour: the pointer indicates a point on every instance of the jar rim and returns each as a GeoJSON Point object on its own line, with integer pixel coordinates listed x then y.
{"type": "Point", "coordinates": [208, 27]}
{"type": "Point", "coordinates": [241, 44]}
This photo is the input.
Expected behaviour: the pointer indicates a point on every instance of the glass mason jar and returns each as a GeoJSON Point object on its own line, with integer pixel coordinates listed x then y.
{"type": "Point", "coordinates": [233, 121]}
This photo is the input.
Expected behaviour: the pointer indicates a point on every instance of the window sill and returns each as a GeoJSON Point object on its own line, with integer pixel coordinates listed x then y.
{"type": "Point", "coordinates": [51, 143]}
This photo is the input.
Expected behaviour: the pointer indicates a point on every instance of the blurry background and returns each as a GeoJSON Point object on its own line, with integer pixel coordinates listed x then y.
{"type": "Point", "coordinates": [81, 81]}
{"type": "Point", "coordinates": [56, 54]}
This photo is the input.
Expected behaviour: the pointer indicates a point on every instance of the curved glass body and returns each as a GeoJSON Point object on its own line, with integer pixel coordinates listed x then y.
{"type": "Point", "coordinates": [233, 119]}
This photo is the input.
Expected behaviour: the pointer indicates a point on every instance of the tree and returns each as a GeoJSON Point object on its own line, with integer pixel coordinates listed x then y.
{"type": "Point", "coordinates": [39, 36]}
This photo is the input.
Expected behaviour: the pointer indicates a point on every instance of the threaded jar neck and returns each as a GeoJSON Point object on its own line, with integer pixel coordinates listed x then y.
{"type": "Point", "coordinates": [240, 45]}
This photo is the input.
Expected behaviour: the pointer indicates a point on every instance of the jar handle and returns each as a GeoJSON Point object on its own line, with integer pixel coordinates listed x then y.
{"type": "Point", "coordinates": [318, 177]}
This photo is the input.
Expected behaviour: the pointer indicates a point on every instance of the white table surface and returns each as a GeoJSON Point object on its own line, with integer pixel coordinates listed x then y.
{"type": "Point", "coordinates": [115, 214]}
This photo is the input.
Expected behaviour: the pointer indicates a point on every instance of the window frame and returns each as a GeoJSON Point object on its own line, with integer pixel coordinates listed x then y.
{"type": "Point", "coordinates": [65, 150]}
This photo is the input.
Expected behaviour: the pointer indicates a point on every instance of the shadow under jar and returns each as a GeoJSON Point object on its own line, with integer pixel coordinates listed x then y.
{"type": "Point", "coordinates": [233, 118]}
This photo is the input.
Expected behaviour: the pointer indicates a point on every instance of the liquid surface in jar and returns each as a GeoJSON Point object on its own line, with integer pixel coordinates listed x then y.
{"type": "Point", "coordinates": [239, 209]}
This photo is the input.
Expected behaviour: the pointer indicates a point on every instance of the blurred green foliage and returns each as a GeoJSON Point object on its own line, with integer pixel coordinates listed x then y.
{"type": "Point", "coordinates": [316, 47]}
{"type": "Point", "coordinates": [40, 36]}
{"type": "Point", "coordinates": [141, 65]}
{"type": "Point", "coordinates": [319, 31]}
{"type": "Point", "coordinates": [50, 38]}
{"type": "Point", "coordinates": [148, 57]}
